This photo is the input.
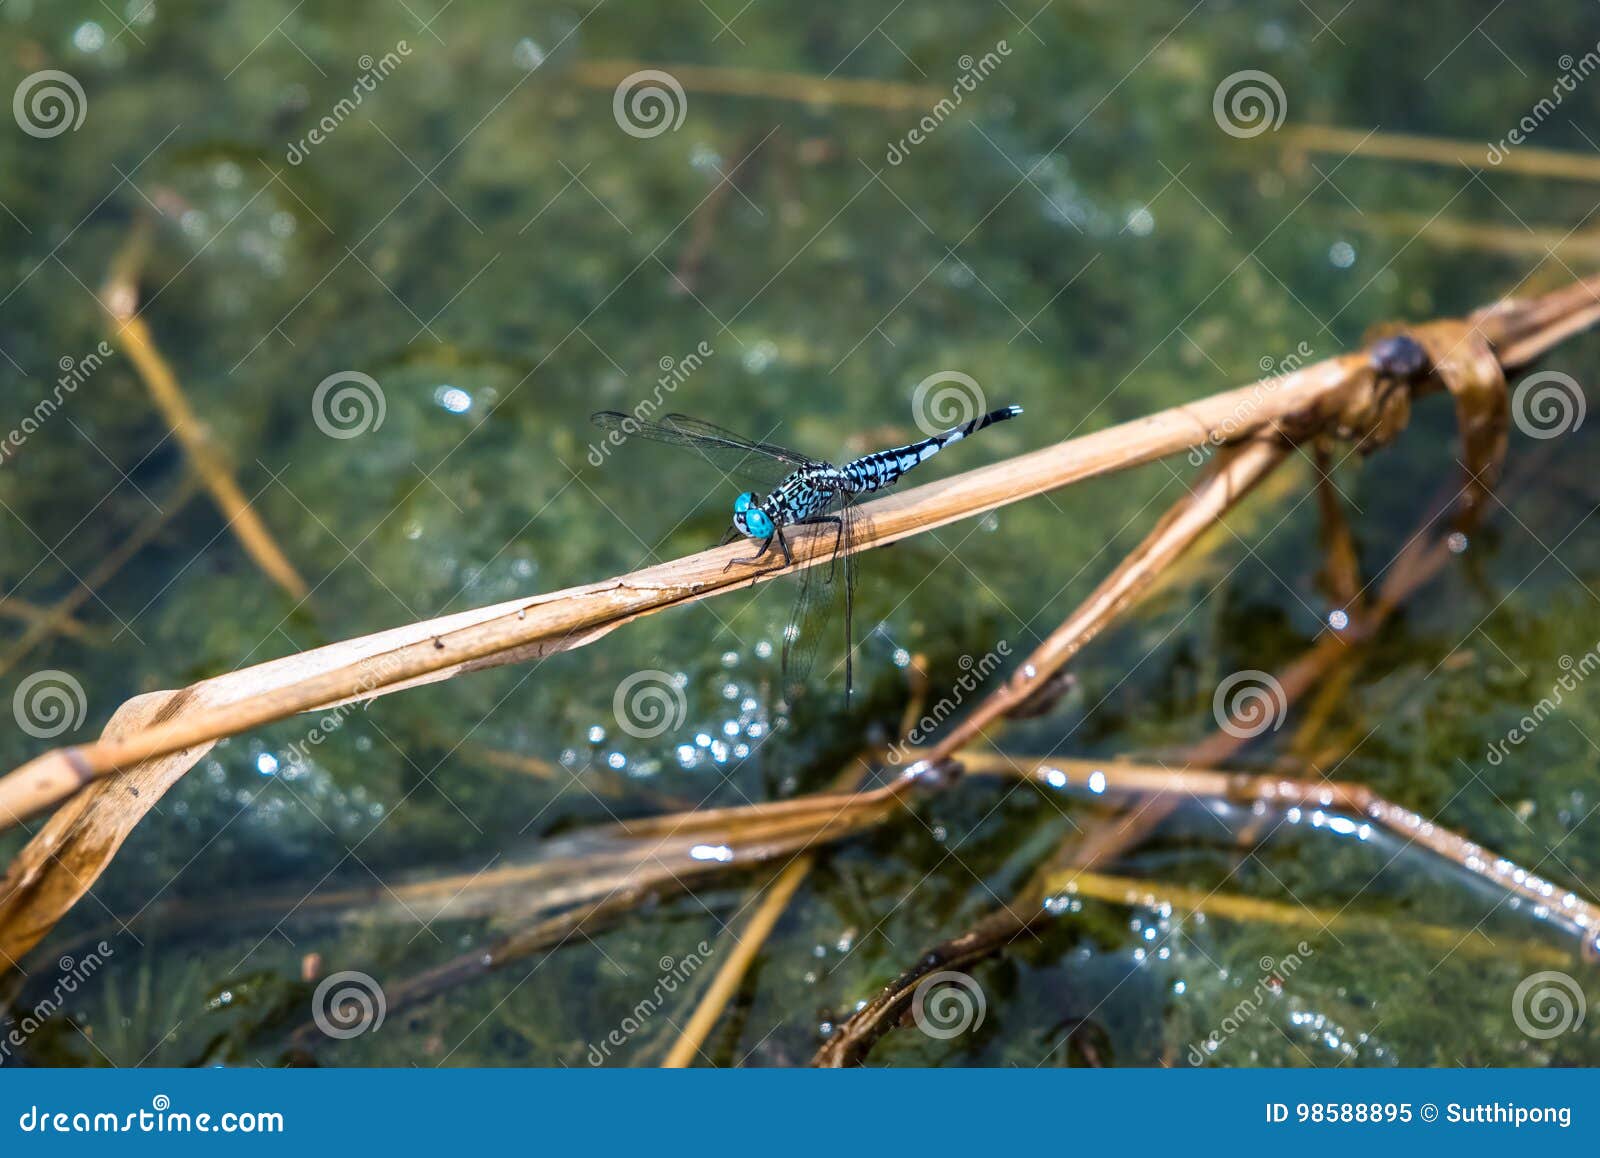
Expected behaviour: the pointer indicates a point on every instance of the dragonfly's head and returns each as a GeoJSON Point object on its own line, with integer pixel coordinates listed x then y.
{"type": "Point", "coordinates": [749, 519]}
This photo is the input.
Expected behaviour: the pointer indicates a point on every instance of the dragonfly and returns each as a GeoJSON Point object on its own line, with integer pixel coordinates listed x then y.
{"type": "Point", "coordinates": [799, 491]}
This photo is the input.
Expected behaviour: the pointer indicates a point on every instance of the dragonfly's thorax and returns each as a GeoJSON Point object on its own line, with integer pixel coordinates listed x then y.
{"type": "Point", "coordinates": [806, 493]}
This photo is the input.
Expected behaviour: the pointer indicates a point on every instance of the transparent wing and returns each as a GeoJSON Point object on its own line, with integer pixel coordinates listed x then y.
{"type": "Point", "coordinates": [813, 609]}
{"type": "Point", "coordinates": [762, 462]}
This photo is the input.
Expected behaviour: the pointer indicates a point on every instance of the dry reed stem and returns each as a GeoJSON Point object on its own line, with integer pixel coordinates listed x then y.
{"type": "Point", "coordinates": [854, 1037]}
{"type": "Point", "coordinates": [1515, 241]}
{"type": "Point", "coordinates": [1567, 909]}
{"type": "Point", "coordinates": [1524, 160]}
{"type": "Point", "coordinates": [32, 614]}
{"type": "Point", "coordinates": [604, 885]}
{"type": "Point", "coordinates": [775, 900]}
{"type": "Point", "coordinates": [1147, 894]}
{"type": "Point", "coordinates": [1193, 515]}
{"type": "Point", "coordinates": [730, 975]}
{"type": "Point", "coordinates": [132, 335]}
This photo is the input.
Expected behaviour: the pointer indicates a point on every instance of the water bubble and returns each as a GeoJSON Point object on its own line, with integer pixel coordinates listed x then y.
{"type": "Point", "coordinates": [527, 54]}
{"type": "Point", "coordinates": [89, 37]}
{"type": "Point", "coordinates": [760, 356]}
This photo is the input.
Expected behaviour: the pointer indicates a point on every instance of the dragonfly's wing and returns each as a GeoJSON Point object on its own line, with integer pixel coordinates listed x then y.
{"type": "Point", "coordinates": [813, 610]}
{"type": "Point", "coordinates": [702, 432]}
{"type": "Point", "coordinates": [761, 462]}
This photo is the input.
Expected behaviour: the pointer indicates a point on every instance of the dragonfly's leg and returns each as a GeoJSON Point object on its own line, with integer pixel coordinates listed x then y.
{"type": "Point", "coordinates": [788, 559]}
{"type": "Point", "coordinates": [766, 545]}
{"type": "Point", "coordinates": [838, 538]}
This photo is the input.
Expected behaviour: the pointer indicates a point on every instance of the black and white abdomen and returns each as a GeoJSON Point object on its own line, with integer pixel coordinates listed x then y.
{"type": "Point", "coordinates": [873, 472]}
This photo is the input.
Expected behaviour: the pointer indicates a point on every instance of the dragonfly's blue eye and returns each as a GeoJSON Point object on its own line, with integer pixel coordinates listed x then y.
{"type": "Point", "coordinates": [750, 519]}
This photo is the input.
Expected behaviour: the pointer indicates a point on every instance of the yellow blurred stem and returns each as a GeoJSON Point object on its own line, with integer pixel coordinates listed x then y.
{"type": "Point", "coordinates": [132, 335]}
{"type": "Point", "coordinates": [1524, 160]}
